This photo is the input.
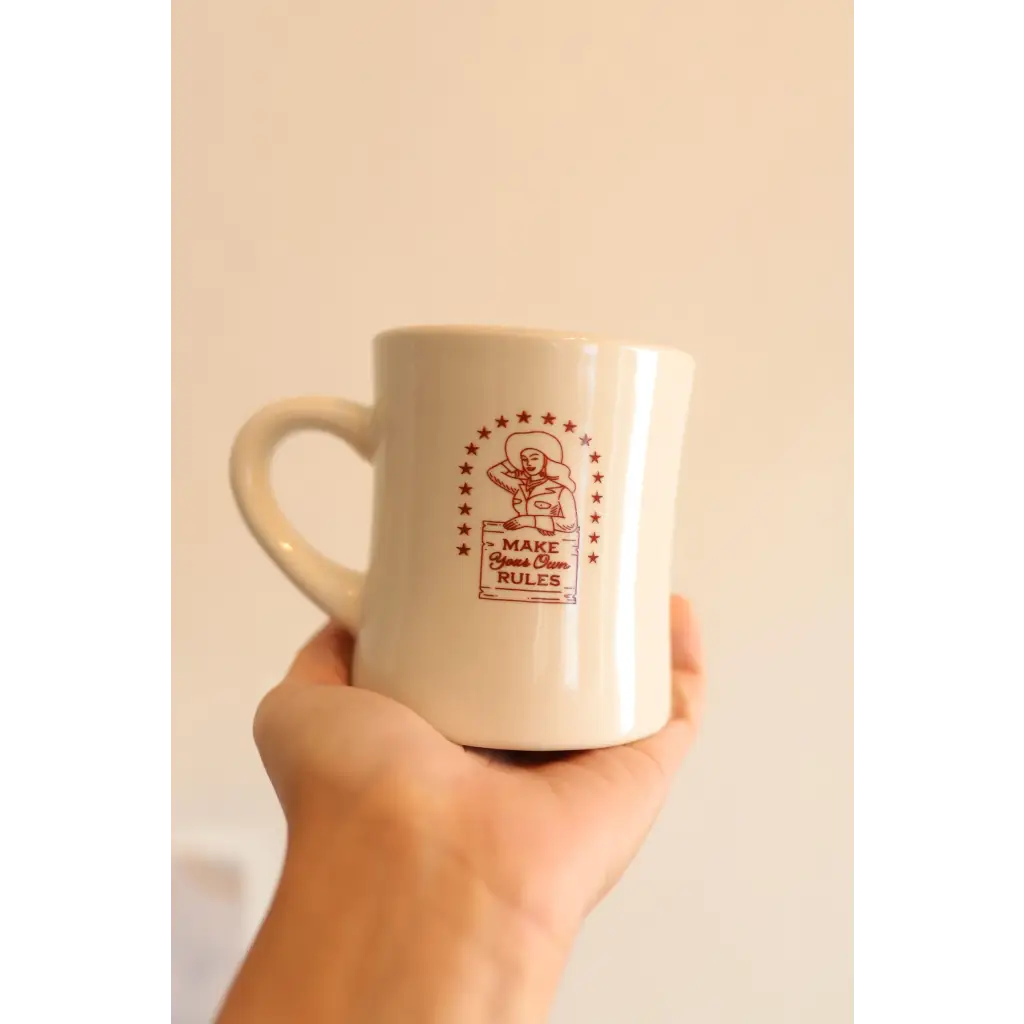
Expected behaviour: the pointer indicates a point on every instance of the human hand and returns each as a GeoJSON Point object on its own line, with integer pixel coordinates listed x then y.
{"type": "Point", "coordinates": [517, 522]}
{"type": "Point", "coordinates": [559, 830]}
{"type": "Point", "coordinates": [405, 848]}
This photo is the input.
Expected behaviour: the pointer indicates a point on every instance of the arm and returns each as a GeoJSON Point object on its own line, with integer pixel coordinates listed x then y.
{"type": "Point", "coordinates": [363, 929]}
{"type": "Point", "coordinates": [505, 475]}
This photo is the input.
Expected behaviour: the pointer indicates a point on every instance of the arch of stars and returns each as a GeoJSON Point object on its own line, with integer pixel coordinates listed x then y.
{"type": "Point", "coordinates": [589, 511]}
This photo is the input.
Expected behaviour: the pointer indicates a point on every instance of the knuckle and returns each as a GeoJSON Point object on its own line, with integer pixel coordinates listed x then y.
{"type": "Point", "coordinates": [265, 719]}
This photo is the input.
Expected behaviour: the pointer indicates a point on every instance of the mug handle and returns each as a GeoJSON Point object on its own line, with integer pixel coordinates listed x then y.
{"type": "Point", "coordinates": [333, 587]}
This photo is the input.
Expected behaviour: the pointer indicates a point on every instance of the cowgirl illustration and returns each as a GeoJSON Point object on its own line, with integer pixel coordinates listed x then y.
{"type": "Point", "coordinates": [540, 483]}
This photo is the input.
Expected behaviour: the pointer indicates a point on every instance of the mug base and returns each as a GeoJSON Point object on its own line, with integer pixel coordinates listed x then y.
{"type": "Point", "coordinates": [495, 745]}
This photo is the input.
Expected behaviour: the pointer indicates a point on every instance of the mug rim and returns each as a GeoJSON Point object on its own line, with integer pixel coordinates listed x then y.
{"type": "Point", "coordinates": [499, 332]}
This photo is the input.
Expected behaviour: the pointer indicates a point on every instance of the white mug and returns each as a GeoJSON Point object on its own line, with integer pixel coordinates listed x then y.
{"type": "Point", "coordinates": [517, 595]}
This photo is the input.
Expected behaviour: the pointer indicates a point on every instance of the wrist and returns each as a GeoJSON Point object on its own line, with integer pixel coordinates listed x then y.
{"type": "Point", "coordinates": [384, 926]}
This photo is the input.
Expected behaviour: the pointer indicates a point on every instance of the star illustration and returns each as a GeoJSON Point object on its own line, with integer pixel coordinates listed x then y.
{"type": "Point", "coordinates": [501, 421]}
{"type": "Point", "coordinates": [598, 477]}
{"type": "Point", "coordinates": [465, 509]}
{"type": "Point", "coordinates": [548, 417]}
{"type": "Point", "coordinates": [594, 537]}
{"type": "Point", "coordinates": [483, 432]}
{"type": "Point", "coordinates": [466, 468]}
{"type": "Point", "coordinates": [523, 417]}
{"type": "Point", "coordinates": [463, 549]}
{"type": "Point", "coordinates": [586, 439]}
{"type": "Point", "coordinates": [594, 457]}
{"type": "Point", "coordinates": [592, 556]}
{"type": "Point", "coordinates": [569, 427]}
{"type": "Point", "coordinates": [471, 449]}
{"type": "Point", "coordinates": [595, 517]}
{"type": "Point", "coordinates": [464, 529]}
{"type": "Point", "coordinates": [465, 489]}
{"type": "Point", "coordinates": [597, 498]}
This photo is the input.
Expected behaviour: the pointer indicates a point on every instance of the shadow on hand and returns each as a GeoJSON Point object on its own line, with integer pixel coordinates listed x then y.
{"type": "Point", "coordinates": [521, 758]}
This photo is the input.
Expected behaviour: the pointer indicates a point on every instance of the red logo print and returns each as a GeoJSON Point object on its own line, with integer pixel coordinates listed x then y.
{"type": "Point", "coordinates": [532, 555]}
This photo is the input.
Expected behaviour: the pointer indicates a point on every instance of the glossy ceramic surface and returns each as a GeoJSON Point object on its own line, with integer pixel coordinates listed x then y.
{"type": "Point", "coordinates": [524, 503]}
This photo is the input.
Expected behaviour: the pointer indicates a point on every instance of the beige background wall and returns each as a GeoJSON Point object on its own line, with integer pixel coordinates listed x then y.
{"type": "Point", "coordinates": [677, 172]}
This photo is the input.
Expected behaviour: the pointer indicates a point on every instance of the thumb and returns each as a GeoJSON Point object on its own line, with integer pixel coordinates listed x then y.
{"type": "Point", "coordinates": [325, 659]}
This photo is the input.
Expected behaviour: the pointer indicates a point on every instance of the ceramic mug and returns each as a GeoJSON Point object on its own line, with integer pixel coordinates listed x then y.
{"type": "Point", "coordinates": [517, 595]}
